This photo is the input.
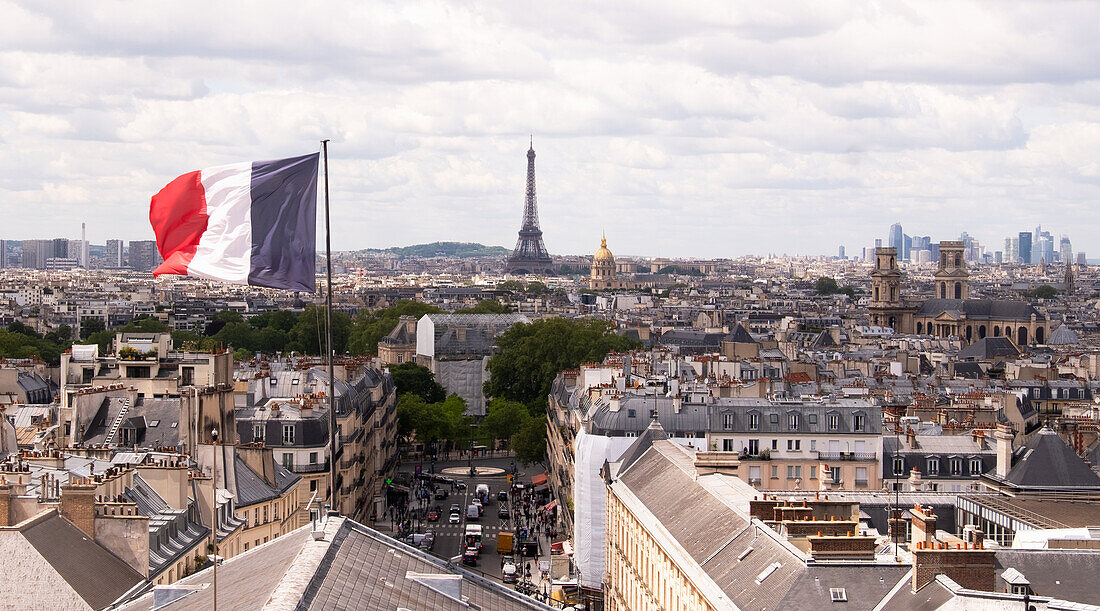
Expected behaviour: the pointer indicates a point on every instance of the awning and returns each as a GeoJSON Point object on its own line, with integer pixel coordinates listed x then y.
{"type": "Point", "coordinates": [538, 480]}
{"type": "Point", "coordinates": [549, 506]}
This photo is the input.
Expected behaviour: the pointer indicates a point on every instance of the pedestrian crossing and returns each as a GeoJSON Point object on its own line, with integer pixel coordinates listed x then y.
{"type": "Point", "coordinates": [461, 528]}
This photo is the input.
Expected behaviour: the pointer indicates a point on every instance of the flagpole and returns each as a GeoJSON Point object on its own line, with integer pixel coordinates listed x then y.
{"type": "Point", "coordinates": [328, 344]}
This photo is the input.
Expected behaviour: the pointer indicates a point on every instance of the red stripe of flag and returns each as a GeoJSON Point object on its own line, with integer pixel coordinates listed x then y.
{"type": "Point", "coordinates": [178, 215]}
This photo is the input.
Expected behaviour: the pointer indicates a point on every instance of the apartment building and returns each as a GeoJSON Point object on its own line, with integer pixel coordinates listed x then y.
{"type": "Point", "coordinates": [800, 444]}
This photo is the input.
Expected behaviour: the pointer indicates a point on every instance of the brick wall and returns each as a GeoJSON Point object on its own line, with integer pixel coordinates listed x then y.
{"type": "Point", "coordinates": [973, 568]}
{"type": "Point", "coordinates": [842, 547]}
{"type": "Point", "coordinates": [78, 506]}
{"type": "Point", "coordinates": [5, 505]}
{"type": "Point", "coordinates": [805, 529]}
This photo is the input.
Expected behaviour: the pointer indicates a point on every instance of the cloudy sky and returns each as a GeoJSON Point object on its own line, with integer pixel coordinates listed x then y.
{"type": "Point", "coordinates": [681, 129]}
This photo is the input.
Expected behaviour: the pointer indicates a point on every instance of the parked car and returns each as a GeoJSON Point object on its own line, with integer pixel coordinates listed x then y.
{"type": "Point", "coordinates": [502, 513]}
{"type": "Point", "coordinates": [502, 496]}
{"type": "Point", "coordinates": [509, 570]}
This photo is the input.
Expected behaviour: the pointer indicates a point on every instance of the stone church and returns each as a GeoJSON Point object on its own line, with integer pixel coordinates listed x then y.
{"type": "Point", "coordinates": [950, 312]}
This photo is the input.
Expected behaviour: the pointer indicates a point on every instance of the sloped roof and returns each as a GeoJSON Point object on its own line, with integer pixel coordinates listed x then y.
{"type": "Point", "coordinates": [252, 489]}
{"type": "Point", "coordinates": [97, 575]}
{"type": "Point", "coordinates": [990, 347]}
{"type": "Point", "coordinates": [1047, 462]}
{"type": "Point", "coordinates": [739, 335]}
{"type": "Point", "coordinates": [1062, 335]}
{"type": "Point", "coordinates": [652, 433]}
{"type": "Point", "coordinates": [982, 308]}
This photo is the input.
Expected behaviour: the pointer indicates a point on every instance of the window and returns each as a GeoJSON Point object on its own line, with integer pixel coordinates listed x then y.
{"type": "Point", "coordinates": [792, 422]}
{"type": "Point", "coordinates": [154, 423]}
{"type": "Point", "coordinates": [773, 418]}
{"type": "Point", "coordinates": [933, 466]}
{"type": "Point", "coordinates": [834, 474]}
{"type": "Point", "coordinates": [956, 466]}
{"type": "Point", "coordinates": [246, 546]}
{"type": "Point", "coordinates": [775, 471]}
{"type": "Point", "coordinates": [754, 447]}
{"type": "Point", "coordinates": [754, 475]}
{"type": "Point", "coordinates": [175, 424]}
{"type": "Point", "coordinates": [775, 444]}
{"type": "Point", "coordinates": [899, 465]}
{"type": "Point", "coordinates": [265, 514]}
{"type": "Point", "coordinates": [313, 485]}
{"type": "Point", "coordinates": [794, 445]}
{"type": "Point", "coordinates": [861, 476]}
{"type": "Point", "coordinates": [794, 472]}
{"type": "Point", "coordinates": [631, 413]}
{"type": "Point", "coordinates": [975, 466]}
{"type": "Point", "coordinates": [813, 472]}
{"type": "Point", "coordinates": [839, 595]}
{"type": "Point", "coordinates": [288, 434]}
{"type": "Point", "coordinates": [257, 432]}
{"type": "Point", "coordinates": [813, 445]}
{"type": "Point", "coordinates": [833, 421]}
{"type": "Point", "coordinates": [288, 460]}
{"type": "Point", "coordinates": [811, 418]}
{"type": "Point", "coordinates": [859, 422]}
{"type": "Point", "coordinates": [754, 422]}
{"type": "Point", "coordinates": [727, 445]}
{"type": "Point", "coordinates": [727, 421]}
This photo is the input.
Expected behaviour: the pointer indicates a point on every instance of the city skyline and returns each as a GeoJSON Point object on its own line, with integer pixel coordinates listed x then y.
{"type": "Point", "coordinates": [693, 131]}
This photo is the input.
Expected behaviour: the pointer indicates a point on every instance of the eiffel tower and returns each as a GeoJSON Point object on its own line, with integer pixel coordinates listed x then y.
{"type": "Point", "coordinates": [530, 256]}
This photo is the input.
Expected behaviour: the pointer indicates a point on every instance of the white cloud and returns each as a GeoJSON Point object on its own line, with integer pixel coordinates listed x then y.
{"type": "Point", "coordinates": [708, 128]}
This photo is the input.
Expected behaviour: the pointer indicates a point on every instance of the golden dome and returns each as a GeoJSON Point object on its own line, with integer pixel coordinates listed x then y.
{"type": "Point", "coordinates": [603, 254]}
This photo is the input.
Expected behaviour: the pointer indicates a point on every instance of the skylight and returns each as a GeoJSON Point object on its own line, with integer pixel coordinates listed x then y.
{"type": "Point", "coordinates": [839, 595]}
{"type": "Point", "coordinates": [767, 571]}
{"type": "Point", "coordinates": [153, 423]}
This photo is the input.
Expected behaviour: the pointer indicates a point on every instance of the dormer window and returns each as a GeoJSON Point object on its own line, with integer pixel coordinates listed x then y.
{"type": "Point", "coordinates": [975, 466]}
{"type": "Point", "coordinates": [833, 421]}
{"type": "Point", "coordinates": [859, 422]}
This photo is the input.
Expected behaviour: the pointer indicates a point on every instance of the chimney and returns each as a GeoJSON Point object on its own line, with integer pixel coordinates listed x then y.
{"type": "Point", "coordinates": [969, 566]}
{"type": "Point", "coordinates": [460, 334]}
{"type": "Point", "coordinates": [1004, 436]}
{"type": "Point", "coordinates": [924, 525]}
{"type": "Point", "coordinates": [78, 505]}
{"type": "Point", "coordinates": [626, 370]}
{"type": "Point", "coordinates": [613, 404]}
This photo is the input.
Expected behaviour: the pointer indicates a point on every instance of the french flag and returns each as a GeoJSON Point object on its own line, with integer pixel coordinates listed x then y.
{"type": "Point", "coordinates": [245, 223]}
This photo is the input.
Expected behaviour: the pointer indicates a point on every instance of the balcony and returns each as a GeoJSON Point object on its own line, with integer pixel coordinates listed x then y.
{"type": "Point", "coordinates": [310, 467]}
{"type": "Point", "coordinates": [851, 456]}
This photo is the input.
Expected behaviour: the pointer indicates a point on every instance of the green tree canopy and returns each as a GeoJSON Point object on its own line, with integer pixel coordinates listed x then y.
{"type": "Point", "coordinates": [89, 326]}
{"type": "Point", "coordinates": [370, 327]}
{"type": "Point", "coordinates": [826, 286]}
{"type": "Point", "coordinates": [529, 443]}
{"type": "Point", "coordinates": [308, 334]}
{"type": "Point", "coordinates": [531, 355]}
{"type": "Point", "coordinates": [504, 419]}
{"type": "Point", "coordinates": [420, 381]}
{"type": "Point", "coordinates": [430, 422]}
{"type": "Point", "coordinates": [1043, 291]}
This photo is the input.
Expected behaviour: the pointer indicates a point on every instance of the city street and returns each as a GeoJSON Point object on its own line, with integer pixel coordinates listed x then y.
{"type": "Point", "coordinates": [449, 538]}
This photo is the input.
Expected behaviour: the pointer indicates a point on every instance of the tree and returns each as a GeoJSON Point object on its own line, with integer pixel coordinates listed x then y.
{"type": "Point", "coordinates": [504, 419]}
{"type": "Point", "coordinates": [228, 316]}
{"type": "Point", "coordinates": [486, 306]}
{"type": "Point", "coordinates": [91, 325]}
{"type": "Point", "coordinates": [531, 355]}
{"type": "Point", "coordinates": [420, 381]}
{"type": "Point", "coordinates": [529, 443]}
{"type": "Point", "coordinates": [826, 286]}
{"type": "Point", "coordinates": [369, 327]}
{"type": "Point", "coordinates": [308, 334]}
{"type": "Point", "coordinates": [537, 288]}
{"type": "Point", "coordinates": [431, 422]}
{"type": "Point", "coordinates": [1043, 291]}
{"type": "Point", "coordinates": [514, 286]}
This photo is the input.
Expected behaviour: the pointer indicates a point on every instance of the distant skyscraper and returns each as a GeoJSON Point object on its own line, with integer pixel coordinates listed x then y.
{"type": "Point", "coordinates": [530, 255]}
{"type": "Point", "coordinates": [896, 239]}
{"type": "Point", "coordinates": [114, 254]}
{"type": "Point", "coordinates": [998, 257]}
{"type": "Point", "coordinates": [3, 254]}
{"type": "Point", "coordinates": [1081, 260]}
{"type": "Point", "coordinates": [1024, 252]}
{"type": "Point", "coordinates": [143, 255]}
{"type": "Point", "coordinates": [78, 249]}
{"type": "Point", "coordinates": [878, 243]}
{"type": "Point", "coordinates": [840, 252]}
{"type": "Point", "coordinates": [1065, 249]}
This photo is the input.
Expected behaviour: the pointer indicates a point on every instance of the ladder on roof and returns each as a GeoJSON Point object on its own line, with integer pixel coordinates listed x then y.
{"type": "Point", "coordinates": [117, 423]}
